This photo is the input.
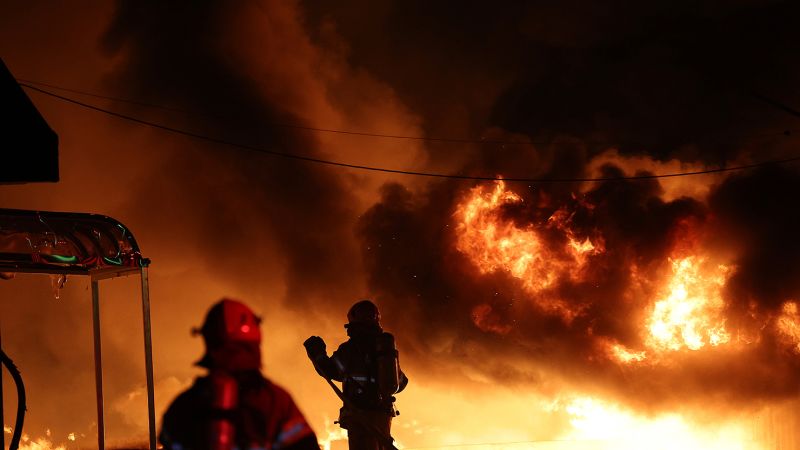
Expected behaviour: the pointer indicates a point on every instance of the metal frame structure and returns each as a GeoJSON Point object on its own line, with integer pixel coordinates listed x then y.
{"type": "Point", "coordinates": [81, 244]}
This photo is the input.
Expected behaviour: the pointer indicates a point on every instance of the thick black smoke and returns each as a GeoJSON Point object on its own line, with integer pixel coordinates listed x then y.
{"type": "Point", "coordinates": [756, 212]}
{"type": "Point", "coordinates": [181, 55]}
{"type": "Point", "coordinates": [431, 291]}
{"type": "Point", "coordinates": [656, 77]}
{"type": "Point", "coordinates": [660, 80]}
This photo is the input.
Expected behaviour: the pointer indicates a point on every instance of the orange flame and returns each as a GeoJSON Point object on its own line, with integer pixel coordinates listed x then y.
{"type": "Point", "coordinates": [625, 355]}
{"type": "Point", "coordinates": [788, 324]}
{"type": "Point", "coordinates": [495, 244]}
{"type": "Point", "coordinates": [39, 443]}
{"type": "Point", "coordinates": [688, 314]}
{"type": "Point", "coordinates": [332, 434]}
{"type": "Point", "coordinates": [610, 426]}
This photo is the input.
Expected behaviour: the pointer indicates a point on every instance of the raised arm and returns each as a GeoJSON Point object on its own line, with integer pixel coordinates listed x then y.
{"type": "Point", "coordinates": [327, 367]}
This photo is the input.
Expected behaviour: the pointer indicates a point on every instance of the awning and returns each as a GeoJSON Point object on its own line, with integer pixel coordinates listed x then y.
{"type": "Point", "coordinates": [66, 243]}
{"type": "Point", "coordinates": [28, 146]}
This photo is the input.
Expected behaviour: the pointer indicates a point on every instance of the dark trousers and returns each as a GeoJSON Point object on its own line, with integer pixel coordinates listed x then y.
{"type": "Point", "coordinates": [361, 429]}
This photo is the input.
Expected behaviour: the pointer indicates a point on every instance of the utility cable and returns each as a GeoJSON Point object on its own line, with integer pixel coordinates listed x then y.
{"type": "Point", "coordinates": [25, 82]}
{"type": "Point", "coordinates": [398, 171]}
{"type": "Point", "coordinates": [374, 135]}
{"type": "Point", "coordinates": [776, 104]}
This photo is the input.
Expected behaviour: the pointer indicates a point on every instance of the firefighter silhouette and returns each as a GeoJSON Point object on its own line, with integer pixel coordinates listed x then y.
{"type": "Point", "coordinates": [234, 406]}
{"type": "Point", "coordinates": [367, 365]}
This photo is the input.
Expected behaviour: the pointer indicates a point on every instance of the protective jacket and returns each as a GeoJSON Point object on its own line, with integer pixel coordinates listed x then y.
{"type": "Point", "coordinates": [355, 364]}
{"type": "Point", "coordinates": [265, 417]}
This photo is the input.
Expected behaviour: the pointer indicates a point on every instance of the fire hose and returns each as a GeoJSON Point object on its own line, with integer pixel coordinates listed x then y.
{"type": "Point", "coordinates": [21, 403]}
{"type": "Point", "coordinates": [356, 414]}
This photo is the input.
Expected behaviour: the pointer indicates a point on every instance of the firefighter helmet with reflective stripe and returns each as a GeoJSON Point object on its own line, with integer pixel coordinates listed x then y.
{"type": "Point", "coordinates": [364, 312]}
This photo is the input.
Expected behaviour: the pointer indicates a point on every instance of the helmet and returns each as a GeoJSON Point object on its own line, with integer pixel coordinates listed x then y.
{"type": "Point", "coordinates": [232, 337]}
{"type": "Point", "coordinates": [230, 321]}
{"type": "Point", "coordinates": [364, 312]}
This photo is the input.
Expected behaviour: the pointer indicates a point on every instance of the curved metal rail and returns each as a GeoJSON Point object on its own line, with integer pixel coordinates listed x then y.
{"type": "Point", "coordinates": [21, 399]}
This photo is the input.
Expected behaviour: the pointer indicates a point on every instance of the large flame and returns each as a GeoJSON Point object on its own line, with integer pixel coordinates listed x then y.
{"type": "Point", "coordinates": [685, 312]}
{"type": "Point", "coordinates": [494, 243]}
{"type": "Point", "coordinates": [788, 324]}
{"type": "Point", "coordinates": [605, 425]}
{"type": "Point", "coordinates": [497, 244]}
{"type": "Point", "coordinates": [688, 314]}
{"type": "Point", "coordinates": [46, 442]}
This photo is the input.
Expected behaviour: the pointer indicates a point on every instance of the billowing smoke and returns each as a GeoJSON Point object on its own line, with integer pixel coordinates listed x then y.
{"type": "Point", "coordinates": [654, 81]}
{"type": "Point", "coordinates": [489, 322]}
{"type": "Point", "coordinates": [216, 220]}
{"type": "Point", "coordinates": [185, 55]}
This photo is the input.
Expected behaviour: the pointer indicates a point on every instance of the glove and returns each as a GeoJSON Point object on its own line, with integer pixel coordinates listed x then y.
{"type": "Point", "coordinates": [315, 347]}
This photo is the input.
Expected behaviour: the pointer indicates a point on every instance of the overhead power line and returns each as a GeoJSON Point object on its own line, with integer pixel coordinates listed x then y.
{"type": "Point", "coordinates": [776, 104]}
{"type": "Point", "coordinates": [288, 125]}
{"type": "Point", "coordinates": [456, 140]}
{"type": "Point", "coordinates": [393, 171]}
